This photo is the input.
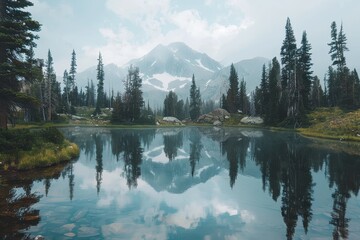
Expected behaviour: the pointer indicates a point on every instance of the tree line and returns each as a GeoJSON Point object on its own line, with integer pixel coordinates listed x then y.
{"type": "Point", "coordinates": [286, 93]}
{"type": "Point", "coordinates": [289, 90]}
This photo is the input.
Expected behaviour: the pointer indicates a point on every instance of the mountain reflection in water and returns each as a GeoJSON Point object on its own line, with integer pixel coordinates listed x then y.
{"type": "Point", "coordinates": [189, 183]}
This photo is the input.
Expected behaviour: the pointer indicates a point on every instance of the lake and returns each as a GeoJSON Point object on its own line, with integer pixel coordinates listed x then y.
{"type": "Point", "coordinates": [188, 183]}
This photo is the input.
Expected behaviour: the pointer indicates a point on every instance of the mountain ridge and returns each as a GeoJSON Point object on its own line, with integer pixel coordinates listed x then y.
{"type": "Point", "coordinates": [170, 68]}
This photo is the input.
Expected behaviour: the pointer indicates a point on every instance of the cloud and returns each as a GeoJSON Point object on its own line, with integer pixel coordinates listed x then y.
{"type": "Point", "coordinates": [228, 31]}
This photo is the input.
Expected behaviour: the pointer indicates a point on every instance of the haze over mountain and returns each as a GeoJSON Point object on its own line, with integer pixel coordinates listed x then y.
{"type": "Point", "coordinates": [171, 67]}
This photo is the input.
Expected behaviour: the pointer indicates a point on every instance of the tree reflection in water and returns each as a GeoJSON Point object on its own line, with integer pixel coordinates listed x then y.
{"type": "Point", "coordinates": [286, 163]}
{"type": "Point", "coordinates": [17, 199]}
{"type": "Point", "coordinates": [172, 141]}
{"type": "Point", "coordinates": [235, 149]}
{"type": "Point", "coordinates": [99, 160]}
{"type": "Point", "coordinates": [344, 173]}
{"type": "Point", "coordinates": [195, 149]}
{"type": "Point", "coordinates": [129, 143]}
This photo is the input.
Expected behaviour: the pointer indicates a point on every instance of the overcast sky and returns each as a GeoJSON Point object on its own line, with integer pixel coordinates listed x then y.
{"type": "Point", "coordinates": [227, 30]}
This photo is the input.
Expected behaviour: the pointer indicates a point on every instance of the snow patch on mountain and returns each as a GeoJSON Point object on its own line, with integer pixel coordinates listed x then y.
{"type": "Point", "coordinates": [199, 63]}
{"type": "Point", "coordinates": [166, 78]}
{"type": "Point", "coordinates": [207, 83]}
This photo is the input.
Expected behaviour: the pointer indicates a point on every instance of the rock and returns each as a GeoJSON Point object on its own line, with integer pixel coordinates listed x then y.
{"type": "Point", "coordinates": [86, 232]}
{"type": "Point", "coordinates": [172, 120]}
{"type": "Point", "coordinates": [39, 237]}
{"type": "Point", "coordinates": [70, 234]}
{"type": "Point", "coordinates": [68, 227]}
{"type": "Point", "coordinates": [217, 123]}
{"type": "Point", "coordinates": [252, 120]}
{"type": "Point", "coordinates": [218, 114]}
{"type": "Point", "coordinates": [113, 229]}
{"type": "Point", "coordinates": [79, 215]}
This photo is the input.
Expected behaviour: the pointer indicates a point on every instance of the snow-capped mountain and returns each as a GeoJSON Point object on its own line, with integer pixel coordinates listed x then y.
{"type": "Point", "coordinates": [171, 67]}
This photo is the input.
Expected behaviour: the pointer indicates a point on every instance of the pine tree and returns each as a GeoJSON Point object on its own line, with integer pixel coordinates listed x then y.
{"type": "Point", "coordinates": [133, 99]}
{"type": "Point", "coordinates": [244, 102]}
{"type": "Point", "coordinates": [291, 77]}
{"type": "Point", "coordinates": [356, 81]}
{"type": "Point", "coordinates": [117, 113]}
{"type": "Point", "coordinates": [272, 114]}
{"type": "Point", "coordinates": [50, 80]}
{"type": "Point", "coordinates": [263, 91]}
{"type": "Point", "coordinates": [66, 83]}
{"type": "Point", "coordinates": [72, 79]}
{"type": "Point", "coordinates": [333, 87]}
{"type": "Point", "coordinates": [304, 66]}
{"type": "Point", "coordinates": [100, 87]}
{"type": "Point", "coordinates": [195, 101]}
{"type": "Point", "coordinates": [232, 98]}
{"type": "Point", "coordinates": [170, 102]}
{"type": "Point", "coordinates": [340, 82]}
{"type": "Point", "coordinates": [16, 41]}
{"type": "Point", "coordinates": [317, 93]}
{"type": "Point", "coordinates": [288, 55]}
{"type": "Point", "coordinates": [173, 107]}
{"type": "Point", "coordinates": [338, 46]}
{"type": "Point", "coordinates": [187, 108]}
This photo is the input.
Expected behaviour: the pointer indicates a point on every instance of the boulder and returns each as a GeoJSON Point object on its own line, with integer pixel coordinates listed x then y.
{"type": "Point", "coordinates": [218, 114]}
{"type": "Point", "coordinates": [252, 120]}
{"type": "Point", "coordinates": [217, 123]}
{"type": "Point", "coordinates": [172, 120]}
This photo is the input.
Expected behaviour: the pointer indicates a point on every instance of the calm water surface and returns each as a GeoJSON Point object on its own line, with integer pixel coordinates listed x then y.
{"type": "Point", "coordinates": [188, 183]}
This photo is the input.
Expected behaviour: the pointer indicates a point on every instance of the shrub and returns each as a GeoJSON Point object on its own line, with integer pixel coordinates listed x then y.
{"type": "Point", "coordinates": [52, 135]}
{"type": "Point", "coordinates": [14, 140]}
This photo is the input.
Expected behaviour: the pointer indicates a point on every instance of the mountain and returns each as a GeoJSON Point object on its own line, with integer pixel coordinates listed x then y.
{"type": "Point", "coordinates": [171, 67]}
{"type": "Point", "coordinates": [114, 77]}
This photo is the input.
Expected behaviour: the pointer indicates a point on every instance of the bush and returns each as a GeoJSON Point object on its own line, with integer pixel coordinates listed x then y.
{"type": "Point", "coordinates": [13, 140]}
{"type": "Point", "coordinates": [52, 135]}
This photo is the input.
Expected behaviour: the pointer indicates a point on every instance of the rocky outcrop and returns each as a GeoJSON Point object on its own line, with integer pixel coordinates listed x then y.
{"type": "Point", "coordinates": [252, 120]}
{"type": "Point", "coordinates": [172, 120]}
{"type": "Point", "coordinates": [218, 114]}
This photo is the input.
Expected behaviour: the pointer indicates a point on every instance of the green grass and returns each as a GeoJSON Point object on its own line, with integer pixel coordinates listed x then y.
{"type": "Point", "coordinates": [47, 156]}
{"type": "Point", "coordinates": [22, 149]}
{"type": "Point", "coordinates": [333, 123]}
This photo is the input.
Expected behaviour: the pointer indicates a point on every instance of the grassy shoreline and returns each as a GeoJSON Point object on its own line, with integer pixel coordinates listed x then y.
{"type": "Point", "coordinates": [324, 123]}
{"type": "Point", "coordinates": [23, 149]}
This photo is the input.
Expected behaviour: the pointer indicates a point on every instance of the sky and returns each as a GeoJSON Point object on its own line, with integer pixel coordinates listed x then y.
{"type": "Point", "coordinates": [226, 30]}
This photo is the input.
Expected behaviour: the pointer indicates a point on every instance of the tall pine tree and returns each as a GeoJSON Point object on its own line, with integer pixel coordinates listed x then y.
{"type": "Point", "coordinates": [288, 55]}
{"type": "Point", "coordinates": [100, 87]}
{"type": "Point", "coordinates": [50, 81]}
{"type": "Point", "coordinates": [16, 42]}
{"type": "Point", "coordinates": [133, 98]}
{"type": "Point", "coordinates": [304, 66]}
{"type": "Point", "coordinates": [72, 79]}
{"type": "Point", "coordinates": [340, 84]}
{"type": "Point", "coordinates": [195, 101]}
{"type": "Point", "coordinates": [272, 114]}
{"type": "Point", "coordinates": [232, 97]}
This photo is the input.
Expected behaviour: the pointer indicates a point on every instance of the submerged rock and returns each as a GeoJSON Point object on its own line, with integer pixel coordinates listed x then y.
{"type": "Point", "coordinates": [86, 232]}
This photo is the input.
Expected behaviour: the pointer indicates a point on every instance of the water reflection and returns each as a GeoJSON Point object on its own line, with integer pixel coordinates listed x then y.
{"type": "Point", "coordinates": [344, 174]}
{"type": "Point", "coordinates": [169, 182]}
{"type": "Point", "coordinates": [17, 200]}
{"type": "Point", "coordinates": [195, 149]}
